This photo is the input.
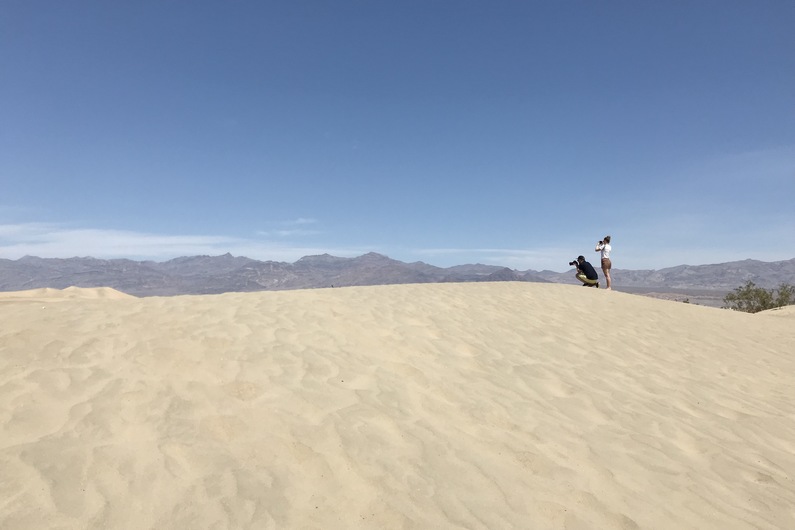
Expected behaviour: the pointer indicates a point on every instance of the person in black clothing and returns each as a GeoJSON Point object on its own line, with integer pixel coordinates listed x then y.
{"type": "Point", "coordinates": [586, 273]}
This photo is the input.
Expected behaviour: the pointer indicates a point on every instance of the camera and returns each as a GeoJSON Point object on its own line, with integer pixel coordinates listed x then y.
{"type": "Point", "coordinates": [575, 263]}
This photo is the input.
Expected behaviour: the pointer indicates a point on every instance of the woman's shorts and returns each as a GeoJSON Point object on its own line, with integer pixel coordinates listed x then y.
{"type": "Point", "coordinates": [606, 264]}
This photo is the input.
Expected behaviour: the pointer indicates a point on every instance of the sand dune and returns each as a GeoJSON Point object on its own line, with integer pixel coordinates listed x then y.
{"type": "Point", "coordinates": [786, 312]}
{"type": "Point", "coordinates": [49, 294]}
{"type": "Point", "coordinates": [504, 405]}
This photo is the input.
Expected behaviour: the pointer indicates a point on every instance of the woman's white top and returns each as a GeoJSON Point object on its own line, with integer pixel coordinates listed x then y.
{"type": "Point", "coordinates": [604, 249]}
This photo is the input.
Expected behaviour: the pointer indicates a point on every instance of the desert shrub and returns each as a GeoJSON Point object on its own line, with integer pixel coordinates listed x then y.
{"type": "Point", "coordinates": [785, 295]}
{"type": "Point", "coordinates": [752, 299]}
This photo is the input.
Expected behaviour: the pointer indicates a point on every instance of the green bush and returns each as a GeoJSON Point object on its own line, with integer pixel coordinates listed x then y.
{"type": "Point", "coordinates": [752, 299]}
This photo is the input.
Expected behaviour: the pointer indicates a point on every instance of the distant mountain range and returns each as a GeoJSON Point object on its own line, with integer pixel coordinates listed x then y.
{"type": "Point", "coordinates": [220, 274]}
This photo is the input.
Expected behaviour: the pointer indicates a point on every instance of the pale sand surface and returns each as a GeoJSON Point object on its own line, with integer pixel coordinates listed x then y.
{"type": "Point", "coordinates": [499, 405]}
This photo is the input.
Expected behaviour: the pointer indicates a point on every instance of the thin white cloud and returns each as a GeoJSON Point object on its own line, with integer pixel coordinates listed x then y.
{"type": "Point", "coordinates": [55, 241]}
{"type": "Point", "coordinates": [22, 231]}
{"type": "Point", "coordinates": [285, 233]}
{"type": "Point", "coordinates": [772, 165]}
{"type": "Point", "coordinates": [519, 259]}
{"type": "Point", "coordinates": [292, 228]}
{"type": "Point", "coordinates": [655, 247]}
{"type": "Point", "coordinates": [300, 221]}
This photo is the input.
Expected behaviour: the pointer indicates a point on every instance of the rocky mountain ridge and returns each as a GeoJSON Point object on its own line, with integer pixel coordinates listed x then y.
{"type": "Point", "coordinates": [227, 273]}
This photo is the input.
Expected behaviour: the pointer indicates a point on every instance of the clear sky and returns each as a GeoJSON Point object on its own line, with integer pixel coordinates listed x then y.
{"type": "Point", "coordinates": [514, 133]}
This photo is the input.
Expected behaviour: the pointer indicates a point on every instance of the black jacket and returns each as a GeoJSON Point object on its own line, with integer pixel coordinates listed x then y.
{"type": "Point", "coordinates": [588, 270]}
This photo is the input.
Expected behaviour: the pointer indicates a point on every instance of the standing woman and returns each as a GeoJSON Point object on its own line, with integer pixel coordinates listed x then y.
{"type": "Point", "coordinates": [604, 247]}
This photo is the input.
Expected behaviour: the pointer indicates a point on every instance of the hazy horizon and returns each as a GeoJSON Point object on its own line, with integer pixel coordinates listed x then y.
{"type": "Point", "coordinates": [559, 270]}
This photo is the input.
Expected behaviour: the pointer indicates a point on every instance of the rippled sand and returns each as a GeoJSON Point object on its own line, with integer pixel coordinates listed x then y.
{"type": "Point", "coordinates": [495, 405]}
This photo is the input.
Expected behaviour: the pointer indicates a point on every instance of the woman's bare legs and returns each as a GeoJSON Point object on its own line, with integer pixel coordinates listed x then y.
{"type": "Point", "coordinates": [607, 277]}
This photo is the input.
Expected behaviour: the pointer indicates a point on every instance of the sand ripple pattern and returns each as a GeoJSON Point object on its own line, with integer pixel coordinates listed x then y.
{"type": "Point", "coordinates": [482, 406]}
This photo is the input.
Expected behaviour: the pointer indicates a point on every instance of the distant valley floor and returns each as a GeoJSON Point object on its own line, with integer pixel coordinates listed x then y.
{"type": "Point", "coordinates": [705, 297]}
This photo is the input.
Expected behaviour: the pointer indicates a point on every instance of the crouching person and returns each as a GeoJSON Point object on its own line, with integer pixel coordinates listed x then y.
{"type": "Point", "coordinates": [585, 272]}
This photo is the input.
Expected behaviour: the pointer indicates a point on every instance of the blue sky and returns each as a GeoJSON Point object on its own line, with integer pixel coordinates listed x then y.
{"type": "Point", "coordinates": [509, 133]}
